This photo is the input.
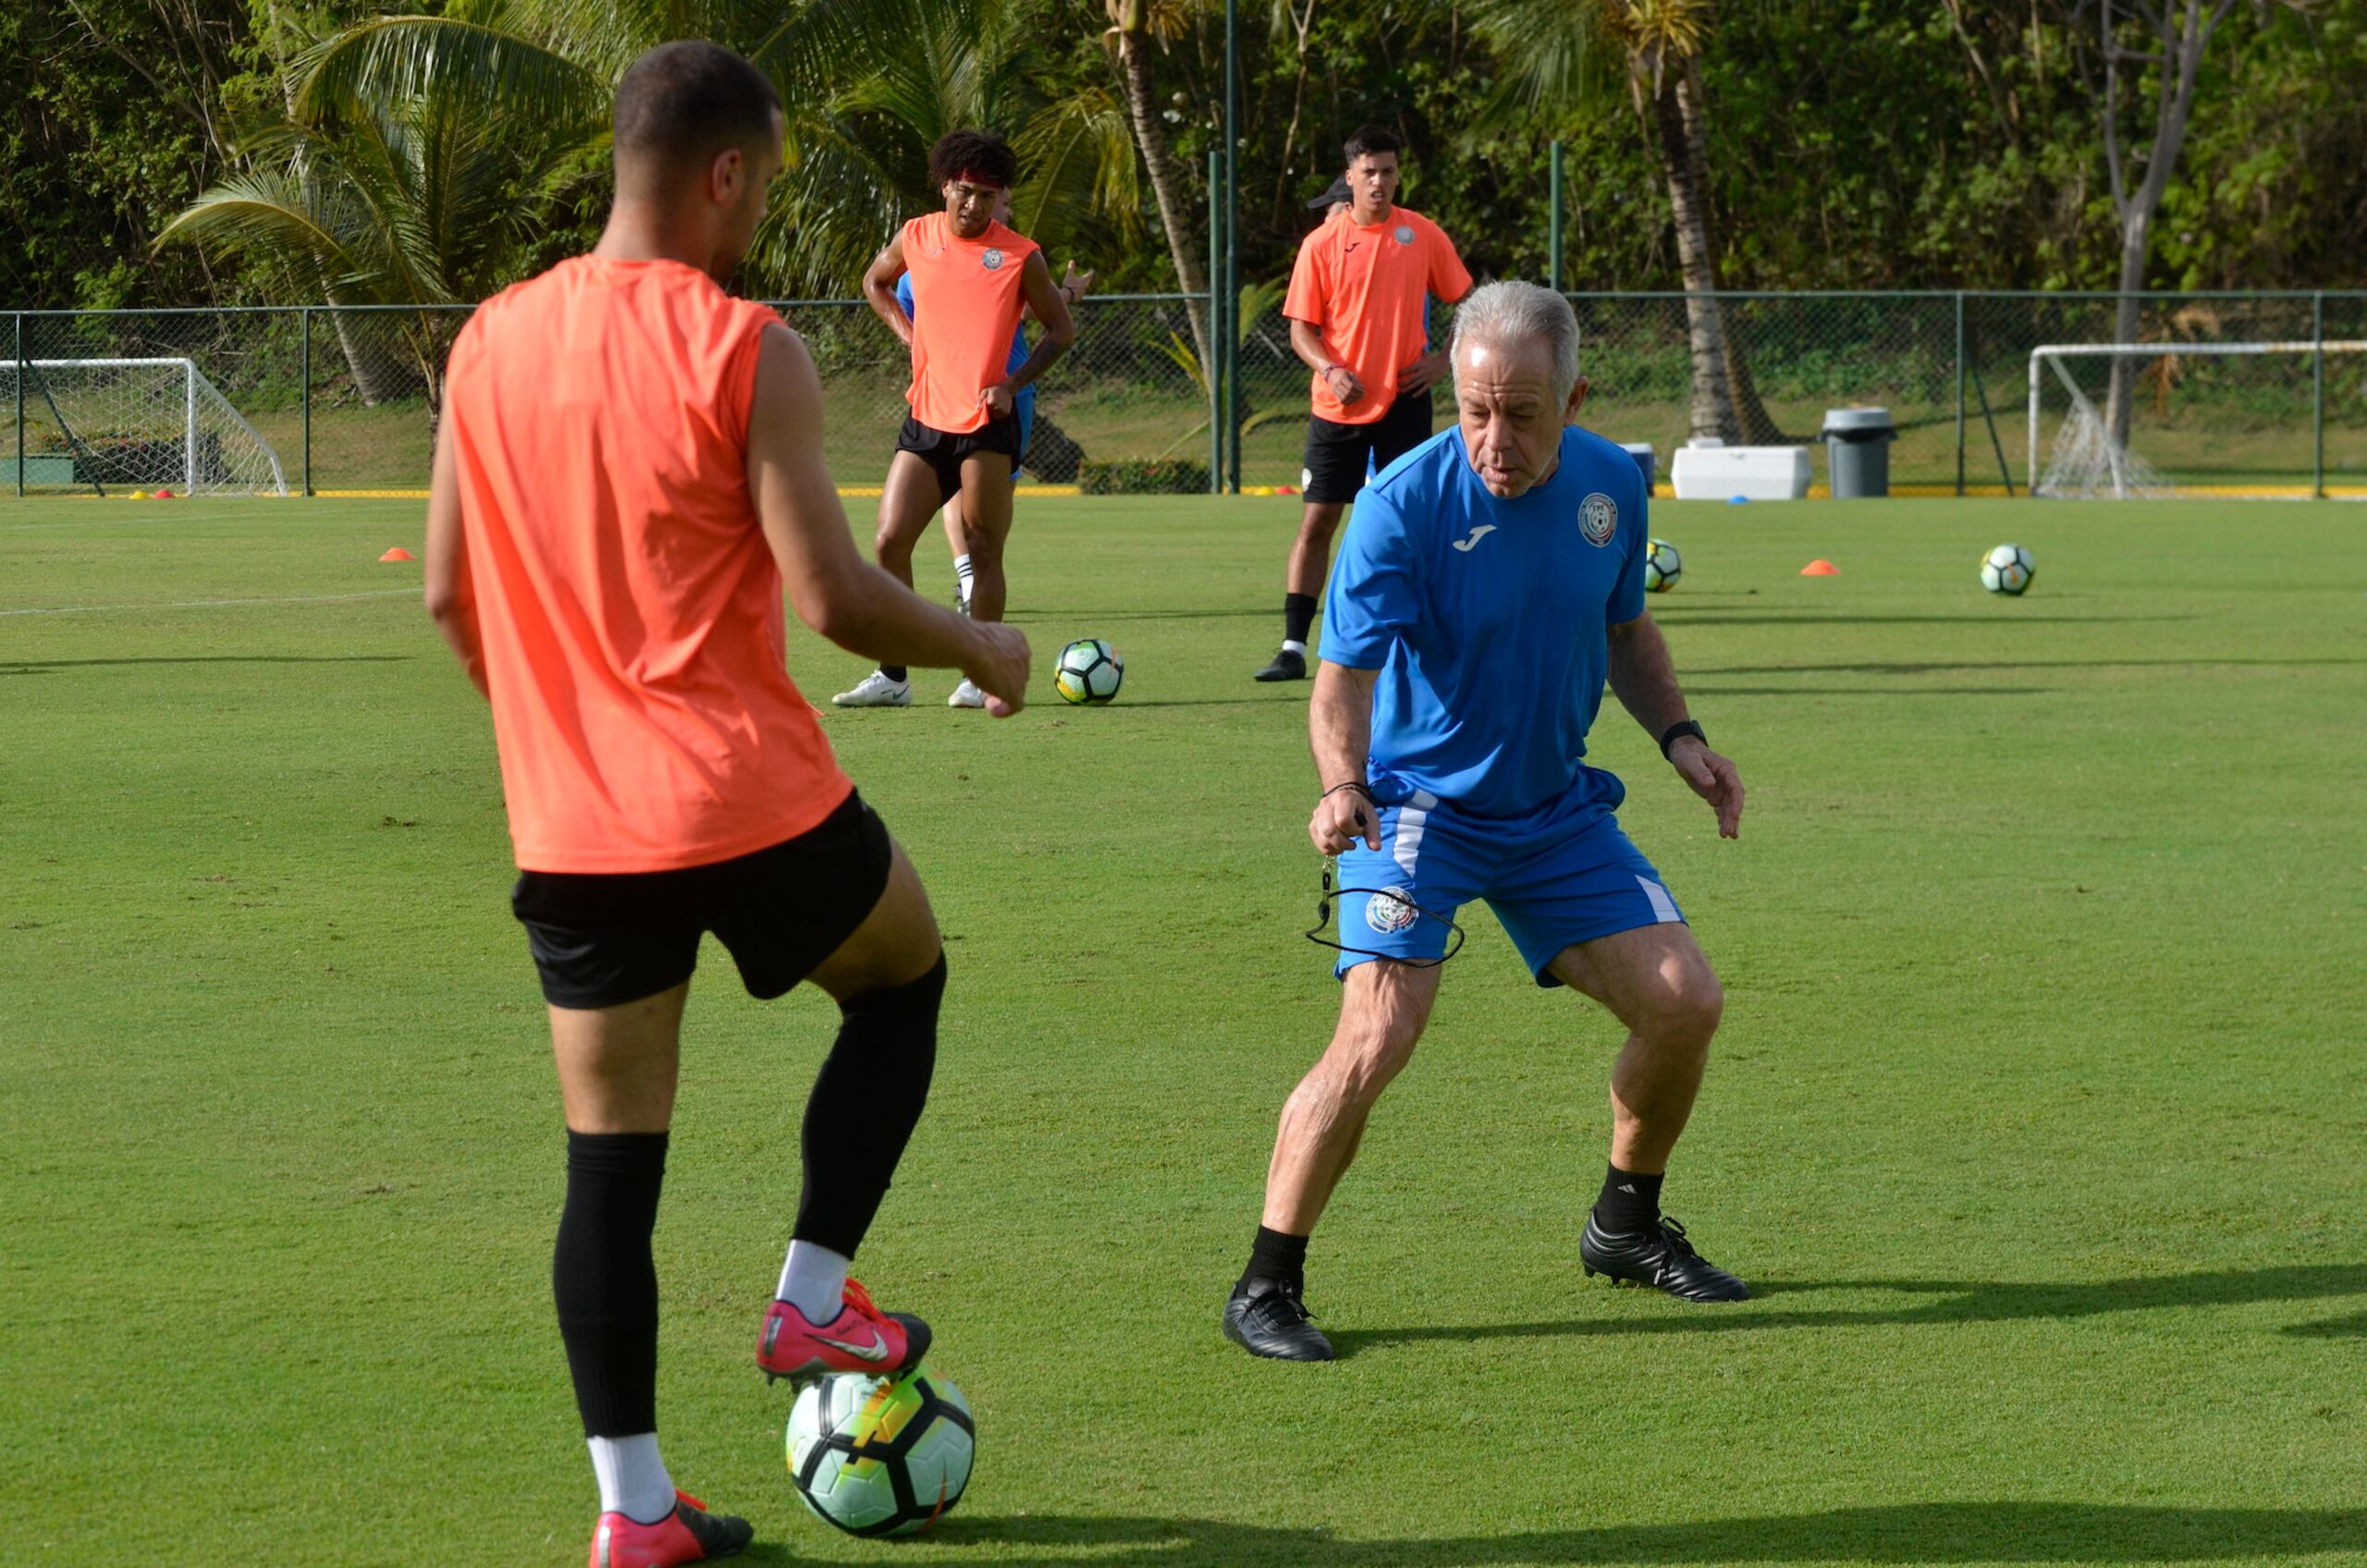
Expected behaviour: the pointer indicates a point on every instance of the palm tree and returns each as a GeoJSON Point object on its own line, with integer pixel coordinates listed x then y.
{"type": "Point", "coordinates": [1553, 50]}
{"type": "Point", "coordinates": [405, 135]}
{"type": "Point", "coordinates": [1135, 26]}
{"type": "Point", "coordinates": [370, 191]}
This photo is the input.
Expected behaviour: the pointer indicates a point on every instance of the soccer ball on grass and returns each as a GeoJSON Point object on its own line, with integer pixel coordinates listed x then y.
{"type": "Point", "coordinates": [881, 1456]}
{"type": "Point", "coordinates": [1663, 567]}
{"type": "Point", "coordinates": [1089, 671]}
{"type": "Point", "coordinates": [2008, 569]}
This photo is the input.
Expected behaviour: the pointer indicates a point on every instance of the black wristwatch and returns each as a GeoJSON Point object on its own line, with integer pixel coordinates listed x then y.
{"type": "Point", "coordinates": [1681, 727]}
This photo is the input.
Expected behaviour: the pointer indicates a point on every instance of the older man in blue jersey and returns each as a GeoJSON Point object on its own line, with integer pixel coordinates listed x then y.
{"type": "Point", "coordinates": [1492, 581]}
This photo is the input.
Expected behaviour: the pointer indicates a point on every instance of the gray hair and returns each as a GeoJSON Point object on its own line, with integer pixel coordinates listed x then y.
{"type": "Point", "coordinates": [1508, 313]}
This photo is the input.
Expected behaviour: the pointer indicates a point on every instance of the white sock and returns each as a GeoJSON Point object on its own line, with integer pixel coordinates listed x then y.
{"type": "Point", "coordinates": [1292, 646]}
{"type": "Point", "coordinates": [962, 575]}
{"type": "Point", "coordinates": [814, 1281]}
{"type": "Point", "coordinates": [633, 1478]}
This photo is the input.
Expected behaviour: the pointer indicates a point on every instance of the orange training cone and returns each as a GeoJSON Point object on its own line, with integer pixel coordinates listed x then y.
{"type": "Point", "coordinates": [1819, 567]}
{"type": "Point", "coordinates": [396, 554]}
{"type": "Point", "coordinates": [163, 495]}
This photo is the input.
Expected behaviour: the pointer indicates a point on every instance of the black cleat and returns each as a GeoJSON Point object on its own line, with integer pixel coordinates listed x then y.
{"type": "Point", "coordinates": [1660, 1256]}
{"type": "Point", "coordinates": [1266, 1317]}
{"type": "Point", "coordinates": [1287, 665]}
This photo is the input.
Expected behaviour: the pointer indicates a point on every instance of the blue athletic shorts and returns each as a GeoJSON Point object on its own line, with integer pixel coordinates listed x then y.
{"type": "Point", "coordinates": [1555, 878]}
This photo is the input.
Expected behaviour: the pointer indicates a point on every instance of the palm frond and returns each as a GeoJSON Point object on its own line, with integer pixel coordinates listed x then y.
{"type": "Point", "coordinates": [387, 59]}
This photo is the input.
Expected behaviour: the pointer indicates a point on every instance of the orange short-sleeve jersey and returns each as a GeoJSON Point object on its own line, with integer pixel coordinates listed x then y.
{"type": "Point", "coordinates": [1363, 287]}
{"type": "Point", "coordinates": [967, 298]}
{"type": "Point", "coordinates": [629, 607]}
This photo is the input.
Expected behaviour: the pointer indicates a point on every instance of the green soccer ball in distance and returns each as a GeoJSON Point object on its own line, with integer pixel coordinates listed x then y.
{"type": "Point", "coordinates": [1663, 567]}
{"type": "Point", "coordinates": [1089, 671]}
{"type": "Point", "coordinates": [881, 1456]}
{"type": "Point", "coordinates": [2008, 569]}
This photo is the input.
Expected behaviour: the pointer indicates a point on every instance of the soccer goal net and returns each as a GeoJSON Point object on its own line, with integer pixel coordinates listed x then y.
{"type": "Point", "coordinates": [2133, 420]}
{"type": "Point", "coordinates": [130, 424]}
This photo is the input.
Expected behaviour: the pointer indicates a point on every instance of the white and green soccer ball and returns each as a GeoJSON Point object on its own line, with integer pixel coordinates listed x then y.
{"type": "Point", "coordinates": [1663, 567]}
{"type": "Point", "coordinates": [2008, 569]}
{"type": "Point", "coordinates": [1089, 671]}
{"type": "Point", "coordinates": [881, 1456]}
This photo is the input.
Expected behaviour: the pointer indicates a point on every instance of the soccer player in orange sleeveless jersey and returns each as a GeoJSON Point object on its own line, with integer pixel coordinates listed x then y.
{"type": "Point", "coordinates": [972, 280]}
{"type": "Point", "coordinates": [628, 472]}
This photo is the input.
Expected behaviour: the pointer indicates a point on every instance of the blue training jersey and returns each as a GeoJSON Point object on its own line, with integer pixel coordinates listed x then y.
{"type": "Point", "coordinates": [1019, 349]}
{"type": "Point", "coordinates": [1488, 621]}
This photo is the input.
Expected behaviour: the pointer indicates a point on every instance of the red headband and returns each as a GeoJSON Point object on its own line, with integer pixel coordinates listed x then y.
{"type": "Point", "coordinates": [978, 177]}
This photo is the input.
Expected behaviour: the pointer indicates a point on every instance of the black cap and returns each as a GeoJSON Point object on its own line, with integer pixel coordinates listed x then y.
{"type": "Point", "coordinates": [1335, 192]}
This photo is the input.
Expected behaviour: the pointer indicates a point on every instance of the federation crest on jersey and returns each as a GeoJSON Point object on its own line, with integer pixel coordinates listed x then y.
{"type": "Point", "coordinates": [1405, 234]}
{"type": "Point", "coordinates": [1598, 518]}
{"type": "Point", "coordinates": [1388, 913]}
{"type": "Point", "coordinates": [993, 259]}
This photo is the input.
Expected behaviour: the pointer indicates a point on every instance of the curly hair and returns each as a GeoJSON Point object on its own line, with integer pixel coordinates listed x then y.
{"type": "Point", "coordinates": [1372, 138]}
{"type": "Point", "coordinates": [971, 152]}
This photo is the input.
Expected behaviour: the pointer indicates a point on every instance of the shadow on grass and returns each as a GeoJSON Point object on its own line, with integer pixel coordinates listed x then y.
{"type": "Point", "coordinates": [1894, 692]}
{"type": "Point", "coordinates": [28, 666]}
{"type": "Point", "coordinates": [1952, 1301]}
{"type": "Point", "coordinates": [1930, 668]}
{"type": "Point", "coordinates": [1265, 612]}
{"type": "Point", "coordinates": [1678, 617]}
{"type": "Point", "coordinates": [2001, 1531]}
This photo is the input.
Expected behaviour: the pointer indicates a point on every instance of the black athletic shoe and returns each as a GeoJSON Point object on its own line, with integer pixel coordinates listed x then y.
{"type": "Point", "coordinates": [1660, 1256]}
{"type": "Point", "coordinates": [1287, 665]}
{"type": "Point", "coordinates": [1266, 1317]}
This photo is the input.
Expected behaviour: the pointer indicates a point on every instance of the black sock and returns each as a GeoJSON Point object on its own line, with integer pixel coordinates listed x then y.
{"type": "Point", "coordinates": [867, 1101]}
{"type": "Point", "coordinates": [1298, 616]}
{"type": "Point", "coordinates": [1629, 1202]}
{"type": "Point", "coordinates": [895, 672]}
{"type": "Point", "coordinates": [605, 1280]}
{"type": "Point", "coordinates": [1275, 1256]}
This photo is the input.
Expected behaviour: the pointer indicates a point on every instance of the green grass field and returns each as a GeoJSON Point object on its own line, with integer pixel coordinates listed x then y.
{"type": "Point", "coordinates": [2037, 1119]}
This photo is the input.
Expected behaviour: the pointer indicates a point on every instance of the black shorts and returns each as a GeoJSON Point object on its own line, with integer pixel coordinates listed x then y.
{"type": "Point", "coordinates": [1336, 453]}
{"type": "Point", "coordinates": [943, 450]}
{"type": "Point", "coordinates": [605, 939]}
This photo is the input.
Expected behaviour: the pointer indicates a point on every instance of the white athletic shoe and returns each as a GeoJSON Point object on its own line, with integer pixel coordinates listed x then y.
{"type": "Point", "coordinates": [877, 692]}
{"type": "Point", "coordinates": [967, 695]}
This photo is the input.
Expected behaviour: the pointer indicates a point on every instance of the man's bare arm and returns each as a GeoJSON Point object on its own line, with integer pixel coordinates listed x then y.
{"type": "Point", "coordinates": [879, 289]}
{"type": "Point", "coordinates": [833, 589]}
{"type": "Point", "coordinates": [451, 598]}
{"type": "Point", "coordinates": [1052, 306]}
{"type": "Point", "coordinates": [1306, 342]}
{"type": "Point", "coordinates": [1643, 677]}
{"type": "Point", "coordinates": [1339, 730]}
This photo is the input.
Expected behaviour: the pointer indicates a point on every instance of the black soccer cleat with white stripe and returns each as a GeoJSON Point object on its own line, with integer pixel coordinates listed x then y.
{"type": "Point", "coordinates": [1660, 1257]}
{"type": "Point", "coordinates": [1266, 1317]}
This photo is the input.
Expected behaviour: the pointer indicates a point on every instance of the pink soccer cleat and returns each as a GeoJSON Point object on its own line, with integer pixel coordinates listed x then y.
{"type": "Point", "coordinates": [690, 1534]}
{"type": "Point", "coordinates": [860, 1338]}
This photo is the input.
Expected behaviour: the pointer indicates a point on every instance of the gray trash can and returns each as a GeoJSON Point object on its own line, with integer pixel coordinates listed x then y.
{"type": "Point", "coordinates": [1856, 452]}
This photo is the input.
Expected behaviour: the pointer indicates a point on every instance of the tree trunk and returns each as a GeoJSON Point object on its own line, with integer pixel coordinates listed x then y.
{"type": "Point", "coordinates": [1697, 262]}
{"type": "Point", "coordinates": [1159, 159]}
{"type": "Point", "coordinates": [2182, 30]}
{"type": "Point", "coordinates": [1751, 424]}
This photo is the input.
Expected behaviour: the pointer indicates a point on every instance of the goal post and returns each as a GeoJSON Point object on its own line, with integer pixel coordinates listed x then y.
{"type": "Point", "coordinates": [2086, 458]}
{"type": "Point", "coordinates": [93, 424]}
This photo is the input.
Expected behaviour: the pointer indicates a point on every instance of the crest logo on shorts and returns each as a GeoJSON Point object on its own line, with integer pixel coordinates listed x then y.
{"type": "Point", "coordinates": [1388, 913]}
{"type": "Point", "coordinates": [993, 259]}
{"type": "Point", "coordinates": [1405, 234]}
{"type": "Point", "coordinates": [1598, 518]}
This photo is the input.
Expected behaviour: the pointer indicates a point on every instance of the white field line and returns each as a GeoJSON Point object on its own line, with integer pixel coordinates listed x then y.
{"type": "Point", "coordinates": [219, 603]}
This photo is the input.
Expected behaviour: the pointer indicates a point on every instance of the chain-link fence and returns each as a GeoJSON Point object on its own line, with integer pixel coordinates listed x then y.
{"type": "Point", "coordinates": [343, 397]}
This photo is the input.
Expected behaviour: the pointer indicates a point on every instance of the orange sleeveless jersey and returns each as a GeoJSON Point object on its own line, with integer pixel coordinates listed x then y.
{"type": "Point", "coordinates": [630, 609]}
{"type": "Point", "coordinates": [966, 302]}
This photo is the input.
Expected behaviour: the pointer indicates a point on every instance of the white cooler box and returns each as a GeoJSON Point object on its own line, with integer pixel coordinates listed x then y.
{"type": "Point", "coordinates": [1709, 470]}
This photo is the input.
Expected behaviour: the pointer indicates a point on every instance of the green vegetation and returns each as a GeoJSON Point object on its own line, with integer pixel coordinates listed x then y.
{"type": "Point", "coordinates": [1842, 145]}
{"type": "Point", "coordinates": [2036, 1118]}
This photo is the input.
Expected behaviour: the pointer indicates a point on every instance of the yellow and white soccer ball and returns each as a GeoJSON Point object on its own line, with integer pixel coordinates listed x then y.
{"type": "Point", "coordinates": [1662, 565]}
{"type": "Point", "coordinates": [2008, 569]}
{"type": "Point", "coordinates": [881, 1456]}
{"type": "Point", "coordinates": [1089, 671]}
